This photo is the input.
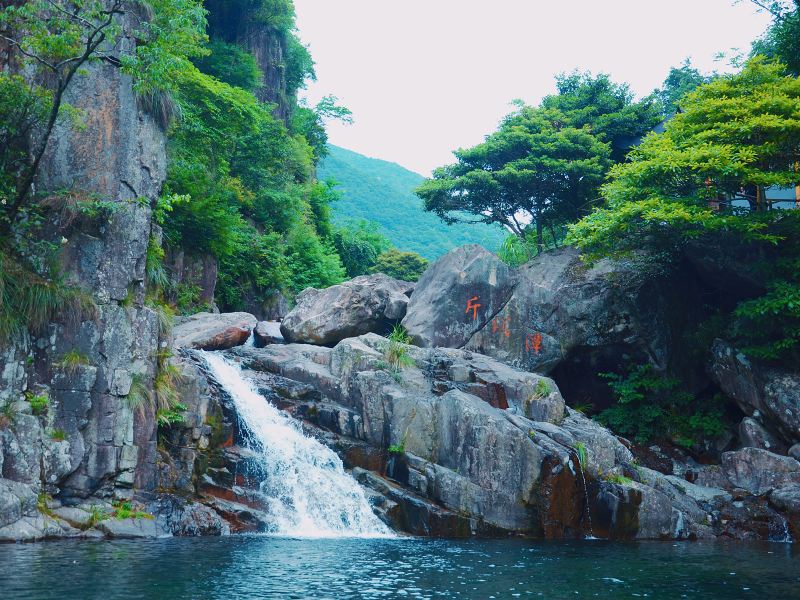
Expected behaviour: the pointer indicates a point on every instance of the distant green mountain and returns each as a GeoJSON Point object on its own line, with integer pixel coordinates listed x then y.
{"type": "Point", "coordinates": [381, 191]}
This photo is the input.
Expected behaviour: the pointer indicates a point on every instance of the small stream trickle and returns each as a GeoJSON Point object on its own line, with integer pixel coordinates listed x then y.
{"type": "Point", "coordinates": [585, 498]}
{"type": "Point", "coordinates": [306, 489]}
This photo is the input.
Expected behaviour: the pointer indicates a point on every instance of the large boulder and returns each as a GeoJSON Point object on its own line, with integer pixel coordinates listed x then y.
{"type": "Point", "coordinates": [458, 295]}
{"type": "Point", "coordinates": [759, 471]}
{"type": "Point", "coordinates": [210, 331]}
{"type": "Point", "coordinates": [768, 392]}
{"type": "Point", "coordinates": [562, 308]}
{"type": "Point", "coordinates": [370, 303]}
{"type": "Point", "coordinates": [267, 332]}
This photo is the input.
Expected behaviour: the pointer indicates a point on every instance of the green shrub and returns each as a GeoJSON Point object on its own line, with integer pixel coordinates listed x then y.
{"type": "Point", "coordinates": [8, 414]}
{"type": "Point", "coordinates": [406, 266]}
{"type": "Point", "coordinates": [126, 510]}
{"type": "Point", "coordinates": [72, 361]}
{"type": "Point", "coordinates": [38, 402]}
{"type": "Point", "coordinates": [58, 435]}
{"type": "Point", "coordinates": [649, 406]}
{"type": "Point", "coordinates": [397, 449]}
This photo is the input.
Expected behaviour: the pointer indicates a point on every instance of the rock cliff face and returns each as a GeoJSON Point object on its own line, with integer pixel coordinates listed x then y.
{"type": "Point", "coordinates": [88, 441]}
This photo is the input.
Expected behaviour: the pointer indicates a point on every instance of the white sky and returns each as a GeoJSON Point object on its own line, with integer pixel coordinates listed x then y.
{"type": "Point", "coordinates": [424, 77]}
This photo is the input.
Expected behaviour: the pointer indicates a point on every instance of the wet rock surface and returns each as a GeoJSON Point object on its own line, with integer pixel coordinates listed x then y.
{"type": "Point", "coordinates": [446, 458]}
{"type": "Point", "coordinates": [210, 331]}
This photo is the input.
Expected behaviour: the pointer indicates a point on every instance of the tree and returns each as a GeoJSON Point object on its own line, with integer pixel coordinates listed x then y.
{"type": "Point", "coordinates": [739, 132]}
{"type": "Point", "coordinates": [359, 246]}
{"type": "Point", "coordinates": [782, 39]}
{"type": "Point", "coordinates": [56, 39]}
{"type": "Point", "coordinates": [407, 266]}
{"type": "Point", "coordinates": [538, 168]}
{"type": "Point", "coordinates": [608, 109]}
{"type": "Point", "coordinates": [544, 165]}
{"type": "Point", "coordinates": [679, 82]}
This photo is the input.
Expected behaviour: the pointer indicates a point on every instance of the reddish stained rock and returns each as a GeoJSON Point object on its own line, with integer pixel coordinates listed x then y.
{"type": "Point", "coordinates": [208, 331]}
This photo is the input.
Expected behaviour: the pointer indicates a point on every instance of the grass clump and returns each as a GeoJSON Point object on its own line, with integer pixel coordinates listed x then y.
{"type": "Point", "coordinates": [8, 414]}
{"type": "Point", "coordinates": [124, 509]}
{"type": "Point", "coordinates": [396, 351]}
{"type": "Point", "coordinates": [96, 514]}
{"type": "Point", "coordinates": [583, 454]}
{"type": "Point", "coordinates": [72, 361]}
{"type": "Point", "coordinates": [397, 448]}
{"type": "Point", "coordinates": [29, 300]}
{"type": "Point", "coordinates": [617, 478]}
{"type": "Point", "coordinates": [42, 506]}
{"type": "Point", "coordinates": [58, 435]}
{"type": "Point", "coordinates": [39, 403]}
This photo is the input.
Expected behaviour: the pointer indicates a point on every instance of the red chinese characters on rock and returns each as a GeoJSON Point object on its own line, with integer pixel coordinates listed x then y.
{"type": "Point", "coordinates": [533, 342]}
{"type": "Point", "coordinates": [472, 305]}
{"type": "Point", "coordinates": [501, 324]}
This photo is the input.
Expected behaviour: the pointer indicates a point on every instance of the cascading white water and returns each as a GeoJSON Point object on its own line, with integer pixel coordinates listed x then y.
{"type": "Point", "coordinates": [305, 486]}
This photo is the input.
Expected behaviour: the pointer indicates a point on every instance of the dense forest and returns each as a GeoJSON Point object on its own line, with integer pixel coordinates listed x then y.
{"type": "Point", "coordinates": [366, 183]}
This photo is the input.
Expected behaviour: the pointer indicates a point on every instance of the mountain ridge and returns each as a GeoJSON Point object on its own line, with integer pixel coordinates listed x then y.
{"type": "Point", "coordinates": [367, 183]}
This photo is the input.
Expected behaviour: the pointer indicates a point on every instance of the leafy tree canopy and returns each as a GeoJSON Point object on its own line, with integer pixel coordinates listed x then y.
{"type": "Point", "coordinates": [782, 39]}
{"type": "Point", "coordinates": [407, 266]}
{"type": "Point", "coordinates": [738, 134]}
{"type": "Point", "coordinates": [679, 82]}
{"type": "Point", "coordinates": [537, 168]}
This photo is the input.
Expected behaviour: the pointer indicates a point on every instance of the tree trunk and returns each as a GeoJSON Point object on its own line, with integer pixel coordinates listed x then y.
{"type": "Point", "coordinates": [539, 229]}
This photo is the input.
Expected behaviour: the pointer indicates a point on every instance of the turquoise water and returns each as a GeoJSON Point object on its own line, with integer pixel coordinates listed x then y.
{"type": "Point", "coordinates": [266, 567]}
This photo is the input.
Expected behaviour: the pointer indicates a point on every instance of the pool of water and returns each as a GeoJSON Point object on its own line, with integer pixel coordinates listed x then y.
{"type": "Point", "coordinates": [269, 567]}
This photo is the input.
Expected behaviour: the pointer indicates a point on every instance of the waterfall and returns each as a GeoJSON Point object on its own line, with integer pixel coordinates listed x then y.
{"type": "Point", "coordinates": [307, 491]}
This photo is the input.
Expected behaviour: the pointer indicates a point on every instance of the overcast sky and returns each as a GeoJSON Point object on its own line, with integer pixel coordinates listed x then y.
{"type": "Point", "coordinates": [424, 77]}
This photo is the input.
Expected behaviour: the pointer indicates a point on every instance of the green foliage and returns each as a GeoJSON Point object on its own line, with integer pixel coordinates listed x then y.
{"type": "Point", "coordinates": [58, 435]}
{"type": "Point", "coordinates": [406, 266]}
{"type": "Point", "coordinates": [679, 82]}
{"type": "Point", "coordinates": [22, 108]}
{"type": "Point", "coordinates": [536, 168]}
{"type": "Point", "coordinates": [230, 64]}
{"type": "Point", "coordinates": [72, 361]}
{"type": "Point", "coordinates": [366, 183]}
{"type": "Point", "coordinates": [650, 406]}
{"type": "Point", "coordinates": [583, 454]}
{"type": "Point", "coordinates": [617, 478]}
{"type": "Point", "coordinates": [96, 515]}
{"type": "Point", "coordinates": [8, 414]}
{"type": "Point", "coordinates": [770, 324]}
{"type": "Point", "coordinates": [157, 275]}
{"type": "Point", "coordinates": [43, 500]}
{"type": "Point", "coordinates": [39, 403]}
{"type": "Point", "coordinates": [359, 245]}
{"type": "Point", "coordinates": [608, 109]}
{"type": "Point", "coordinates": [312, 262]}
{"type": "Point", "coordinates": [258, 266]}
{"type": "Point", "coordinates": [396, 352]}
{"type": "Point", "coordinates": [171, 416]}
{"type": "Point", "coordinates": [139, 394]}
{"type": "Point", "coordinates": [739, 132]}
{"type": "Point", "coordinates": [240, 188]}
{"type": "Point", "coordinates": [124, 509]}
{"type": "Point", "coordinates": [30, 301]}
{"type": "Point", "coordinates": [542, 388]}
{"type": "Point", "coordinates": [396, 449]}
{"type": "Point", "coordinates": [782, 39]}
{"type": "Point", "coordinates": [56, 39]}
